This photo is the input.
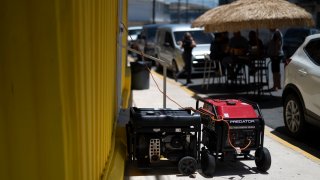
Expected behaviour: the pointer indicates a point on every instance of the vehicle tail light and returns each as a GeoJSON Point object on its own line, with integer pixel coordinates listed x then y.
{"type": "Point", "coordinates": [287, 62]}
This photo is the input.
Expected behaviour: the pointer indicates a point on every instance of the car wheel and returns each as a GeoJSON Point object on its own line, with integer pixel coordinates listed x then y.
{"type": "Point", "coordinates": [158, 65]}
{"type": "Point", "coordinates": [293, 115]}
{"type": "Point", "coordinates": [175, 70]}
{"type": "Point", "coordinates": [263, 159]}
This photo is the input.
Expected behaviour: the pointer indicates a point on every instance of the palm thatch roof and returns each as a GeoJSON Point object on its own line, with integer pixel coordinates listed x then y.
{"type": "Point", "coordinates": [253, 14]}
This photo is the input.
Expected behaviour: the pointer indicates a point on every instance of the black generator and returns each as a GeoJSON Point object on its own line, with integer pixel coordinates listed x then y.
{"type": "Point", "coordinates": [237, 127]}
{"type": "Point", "coordinates": [156, 136]}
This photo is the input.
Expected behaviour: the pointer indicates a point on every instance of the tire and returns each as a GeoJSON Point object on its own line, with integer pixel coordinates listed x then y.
{"type": "Point", "coordinates": [187, 165]}
{"type": "Point", "coordinates": [208, 164]}
{"type": "Point", "coordinates": [263, 159]}
{"type": "Point", "coordinates": [293, 115]}
{"type": "Point", "coordinates": [175, 70]}
{"type": "Point", "coordinates": [159, 67]}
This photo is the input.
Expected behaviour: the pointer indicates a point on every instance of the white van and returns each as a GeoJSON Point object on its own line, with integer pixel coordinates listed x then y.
{"type": "Point", "coordinates": [168, 49]}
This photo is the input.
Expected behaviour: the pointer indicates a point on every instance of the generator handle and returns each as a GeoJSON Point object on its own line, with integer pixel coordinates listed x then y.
{"type": "Point", "coordinates": [197, 102]}
{"type": "Point", "coordinates": [206, 102]}
{"type": "Point", "coordinates": [253, 104]}
{"type": "Point", "coordinates": [201, 99]}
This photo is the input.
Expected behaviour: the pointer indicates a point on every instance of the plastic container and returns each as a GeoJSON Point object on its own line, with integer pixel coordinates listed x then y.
{"type": "Point", "coordinates": [140, 75]}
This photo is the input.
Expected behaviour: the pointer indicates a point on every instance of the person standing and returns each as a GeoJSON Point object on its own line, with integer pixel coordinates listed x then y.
{"type": "Point", "coordinates": [238, 48]}
{"type": "Point", "coordinates": [218, 48]}
{"type": "Point", "coordinates": [188, 44]}
{"type": "Point", "coordinates": [256, 50]}
{"type": "Point", "coordinates": [275, 52]}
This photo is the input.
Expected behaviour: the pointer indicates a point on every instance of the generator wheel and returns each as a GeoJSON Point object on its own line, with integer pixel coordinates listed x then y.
{"type": "Point", "coordinates": [208, 163]}
{"type": "Point", "coordinates": [263, 159]}
{"type": "Point", "coordinates": [187, 165]}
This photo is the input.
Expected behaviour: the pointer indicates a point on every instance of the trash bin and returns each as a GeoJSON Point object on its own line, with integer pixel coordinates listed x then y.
{"type": "Point", "coordinates": [140, 75]}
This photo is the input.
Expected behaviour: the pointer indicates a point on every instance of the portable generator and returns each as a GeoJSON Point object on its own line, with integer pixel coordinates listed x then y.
{"type": "Point", "coordinates": [231, 129]}
{"type": "Point", "coordinates": [156, 136]}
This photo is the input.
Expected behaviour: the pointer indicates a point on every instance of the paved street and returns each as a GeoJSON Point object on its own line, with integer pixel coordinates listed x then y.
{"type": "Point", "coordinates": [291, 159]}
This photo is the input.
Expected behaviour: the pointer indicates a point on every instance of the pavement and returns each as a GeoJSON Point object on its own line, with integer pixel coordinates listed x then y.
{"type": "Point", "coordinates": [288, 161]}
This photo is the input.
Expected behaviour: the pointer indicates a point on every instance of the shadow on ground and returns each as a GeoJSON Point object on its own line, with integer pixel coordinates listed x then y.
{"type": "Point", "coordinates": [220, 91]}
{"type": "Point", "coordinates": [307, 142]}
{"type": "Point", "coordinates": [236, 169]}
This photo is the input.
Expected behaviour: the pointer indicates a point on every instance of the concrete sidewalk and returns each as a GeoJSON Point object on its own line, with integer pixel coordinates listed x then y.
{"type": "Point", "coordinates": [288, 161]}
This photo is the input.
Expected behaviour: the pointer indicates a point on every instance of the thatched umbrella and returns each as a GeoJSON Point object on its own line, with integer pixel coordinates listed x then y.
{"type": "Point", "coordinates": [253, 14]}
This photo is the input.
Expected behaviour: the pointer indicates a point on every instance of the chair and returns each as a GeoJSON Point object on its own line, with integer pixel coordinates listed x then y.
{"type": "Point", "coordinates": [239, 72]}
{"type": "Point", "coordinates": [240, 76]}
{"type": "Point", "coordinates": [211, 68]}
{"type": "Point", "coordinates": [259, 78]}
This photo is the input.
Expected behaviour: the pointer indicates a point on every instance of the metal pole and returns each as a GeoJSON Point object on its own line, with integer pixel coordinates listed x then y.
{"type": "Point", "coordinates": [164, 87]}
{"type": "Point", "coordinates": [187, 11]}
{"type": "Point", "coordinates": [154, 11]}
{"type": "Point", "coordinates": [178, 11]}
{"type": "Point", "coordinates": [119, 56]}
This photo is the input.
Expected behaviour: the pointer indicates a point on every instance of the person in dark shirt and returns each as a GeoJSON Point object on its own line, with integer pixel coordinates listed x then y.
{"type": "Point", "coordinates": [256, 50]}
{"type": "Point", "coordinates": [218, 47]}
{"type": "Point", "coordinates": [238, 48]}
{"type": "Point", "coordinates": [188, 44]}
{"type": "Point", "coordinates": [275, 52]}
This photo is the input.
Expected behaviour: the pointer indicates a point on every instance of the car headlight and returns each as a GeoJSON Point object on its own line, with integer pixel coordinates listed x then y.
{"type": "Point", "coordinates": [199, 57]}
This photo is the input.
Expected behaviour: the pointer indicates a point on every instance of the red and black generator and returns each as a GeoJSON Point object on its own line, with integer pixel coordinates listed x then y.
{"type": "Point", "coordinates": [231, 129]}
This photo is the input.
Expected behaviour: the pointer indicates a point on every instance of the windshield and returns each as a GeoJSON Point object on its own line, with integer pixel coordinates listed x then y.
{"type": "Point", "coordinates": [200, 37]}
{"type": "Point", "coordinates": [134, 31]}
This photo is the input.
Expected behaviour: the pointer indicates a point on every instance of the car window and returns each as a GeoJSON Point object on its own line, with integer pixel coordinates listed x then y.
{"type": "Point", "coordinates": [312, 50]}
{"type": "Point", "coordinates": [168, 38]}
{"type": "Point", "coordinates": [134, 31]}
{"type": "Point", "coordinates": [158, 36]}
{"type": "Point", "coordinates": [150, 34]}
{"type": "Point", "coordinates": [200, 37]}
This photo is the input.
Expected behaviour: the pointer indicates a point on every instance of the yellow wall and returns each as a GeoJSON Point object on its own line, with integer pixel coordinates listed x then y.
{"type": "Point", "coordinates": [57, 88]}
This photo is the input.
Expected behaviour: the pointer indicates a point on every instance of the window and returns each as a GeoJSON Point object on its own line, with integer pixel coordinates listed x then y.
{"type": "Point", "coordinates": [159, 39]}
{"type": "Point", "coordinates": [168, 39]}
{"type": "Point", "coordinates": [312, 50]}
{"type": "Point", "coordinates": [151, 33]}
{"type": "Point", "coordinates": [134, 32]}
{"type": "Point", "coordinates": [200, 37]}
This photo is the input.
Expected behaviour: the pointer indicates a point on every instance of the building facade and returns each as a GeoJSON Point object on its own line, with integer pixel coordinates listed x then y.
{"type": "Point", "coordinates": [62, 85]}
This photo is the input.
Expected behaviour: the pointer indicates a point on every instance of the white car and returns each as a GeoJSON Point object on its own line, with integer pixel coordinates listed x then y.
{"type": "Point", "coordinates": [301, 95]}
{"type": "Point", "coordinates": [133, 32]}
